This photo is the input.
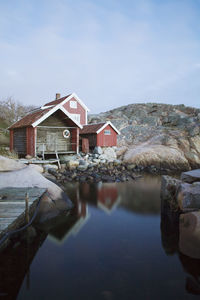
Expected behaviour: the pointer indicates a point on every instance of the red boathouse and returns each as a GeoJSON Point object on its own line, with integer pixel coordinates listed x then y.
{"type": "Point", "coordinates": [100, 134]}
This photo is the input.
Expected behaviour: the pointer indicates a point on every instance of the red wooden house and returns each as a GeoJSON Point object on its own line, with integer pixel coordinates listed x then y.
{"type": "Point", "coordinates": [100, 134]}
{"type": "Point", "coordinates": [53, 128]}
{"type": "Point", "coordinates": [56, 128]}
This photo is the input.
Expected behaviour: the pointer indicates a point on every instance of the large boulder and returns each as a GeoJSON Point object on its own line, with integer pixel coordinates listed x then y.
{"type": "Point", "coordinates": [169, 187]}
{"type": "Point", "coordinates": [97, 150]}
{"type": "Point", "coordinates": [158, 155]}
{"type": "Point", "coordinates": [7, 164]}
{"type": "Point", "coordinates": [108, 154]}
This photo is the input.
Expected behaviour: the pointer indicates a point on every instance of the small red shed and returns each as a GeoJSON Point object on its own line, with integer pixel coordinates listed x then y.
{"type": "Point", "coordinates": [99, 134]}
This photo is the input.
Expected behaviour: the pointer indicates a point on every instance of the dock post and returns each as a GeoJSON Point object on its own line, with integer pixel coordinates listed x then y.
{"type": "Point", "coordinates": [27, 208]}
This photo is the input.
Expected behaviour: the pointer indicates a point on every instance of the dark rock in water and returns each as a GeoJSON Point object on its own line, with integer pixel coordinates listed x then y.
{"type": "Point", "coordinates": [169, 187]}
{"type": "Point", "coordinates": [192, 286]}
{"type": "Point", "coordinates": [189, 195]}
{"type": "Point", "coordinates": [191, 176]}
{"type": "Point", "coordinates": [189, 238]}
{"type": "Point", "coordinates": [170, 232]}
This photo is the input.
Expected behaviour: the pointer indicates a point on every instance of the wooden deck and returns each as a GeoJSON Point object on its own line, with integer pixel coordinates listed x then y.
{"type": "Point", "coordinates": [37, 161]}
{"type": "Point", "coordinates": [13, 205]}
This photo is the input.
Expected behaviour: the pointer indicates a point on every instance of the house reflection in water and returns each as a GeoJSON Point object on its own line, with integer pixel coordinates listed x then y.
{"type": "Point", "coordinates": [108, 198]}
{"type": "Point", "coordinates": [104, 196]}
{"type": "Point", "coordinates": [70, 225]}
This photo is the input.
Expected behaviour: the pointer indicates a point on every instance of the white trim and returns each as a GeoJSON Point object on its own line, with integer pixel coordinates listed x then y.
{"type": "Point", "coordinates": [106, 209]}
{"type": "Point", "coordinates": [86, 121]}
{"type": "Point", "coordinates": [80, 101]}
{"type": "Point", "coordinates": [73, 231]}
{"type": "Point", "coordinates": [73, 104]}
{"type": "Point", "coordinates": [104, 126]}
{"type": "Point", "coordinates": [50, 112]}
{"type": "Point", "coordinates": [45, 107]}
{"type": "Point", "coordinates": [68, 114]}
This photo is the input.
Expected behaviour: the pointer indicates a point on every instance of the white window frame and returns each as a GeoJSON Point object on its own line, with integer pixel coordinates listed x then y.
{"type": "Point", "coordinates": [76, 117]}
{"type": "Point", "coordinates": [73, 104]}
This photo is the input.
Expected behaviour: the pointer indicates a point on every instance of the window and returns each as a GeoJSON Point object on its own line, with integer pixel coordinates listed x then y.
{"type": "Point", "coordinates": [76, 117]}
{"type": "Point", "coordinates": [107, 132]}
{"type": "Point", "coordinates": [73, 104]}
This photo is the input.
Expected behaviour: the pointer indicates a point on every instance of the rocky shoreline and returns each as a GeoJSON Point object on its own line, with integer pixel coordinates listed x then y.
{"type": "Point", "coordinates": [100, 166]}
{"type": "Point", "coordinates": [99, 173]}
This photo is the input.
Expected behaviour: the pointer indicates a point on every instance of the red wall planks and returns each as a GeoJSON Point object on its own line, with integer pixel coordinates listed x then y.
{"type": "Point", "coordinates": [30, 141]}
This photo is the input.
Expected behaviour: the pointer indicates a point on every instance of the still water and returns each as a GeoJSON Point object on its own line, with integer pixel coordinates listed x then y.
{"type": "Point", "coordinates": [113, 246]}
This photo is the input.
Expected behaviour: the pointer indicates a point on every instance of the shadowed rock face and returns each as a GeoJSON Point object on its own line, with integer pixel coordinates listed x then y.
{"type": "Point", "coordinates": [157, 134]}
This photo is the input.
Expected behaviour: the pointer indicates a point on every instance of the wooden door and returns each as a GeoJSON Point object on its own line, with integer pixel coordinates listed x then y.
{"type": "Point", "coordinates": [85, 145]}
{"type": "Point", "coordinates": [19, 140]}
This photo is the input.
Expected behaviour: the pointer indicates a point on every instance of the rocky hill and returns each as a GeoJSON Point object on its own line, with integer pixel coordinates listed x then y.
{"type": "Point", "coordinates": [157, 135]}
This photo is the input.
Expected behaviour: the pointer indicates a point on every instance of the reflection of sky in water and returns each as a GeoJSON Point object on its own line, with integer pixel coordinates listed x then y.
{"type": "Point", "coordinates": [110, 249]}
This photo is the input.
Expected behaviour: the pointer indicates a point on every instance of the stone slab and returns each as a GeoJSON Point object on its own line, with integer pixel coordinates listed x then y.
{"type": "Point", "coordinates": [191, 176]}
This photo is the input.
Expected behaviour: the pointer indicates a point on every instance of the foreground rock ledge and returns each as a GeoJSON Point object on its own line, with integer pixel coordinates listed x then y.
{"type": "Point", "coordinates": [53, 202]}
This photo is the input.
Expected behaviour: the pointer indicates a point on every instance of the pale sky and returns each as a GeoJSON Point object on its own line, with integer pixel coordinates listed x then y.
{"type": "Point", "coordinates": [109, 52]}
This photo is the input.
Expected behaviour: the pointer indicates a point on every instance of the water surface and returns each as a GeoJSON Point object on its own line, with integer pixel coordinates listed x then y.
{"type": "Point", "coordinates": [111, 247]}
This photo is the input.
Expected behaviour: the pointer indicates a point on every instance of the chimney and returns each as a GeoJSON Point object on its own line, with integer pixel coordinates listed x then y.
{"type": "Point", "coordinates": [57, 96]}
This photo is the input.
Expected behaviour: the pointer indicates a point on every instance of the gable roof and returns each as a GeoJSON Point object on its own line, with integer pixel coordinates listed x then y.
{"type": "Point", "coordinates": [97, 128]}
{"type": "Point", "coordinates": [64, 100]}
{"type": "Point", "coordinates": [36, 117]}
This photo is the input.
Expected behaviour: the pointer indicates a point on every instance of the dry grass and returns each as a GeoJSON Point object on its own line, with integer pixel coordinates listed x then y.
{"type": "Point", "coordinates": [7, 153]}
